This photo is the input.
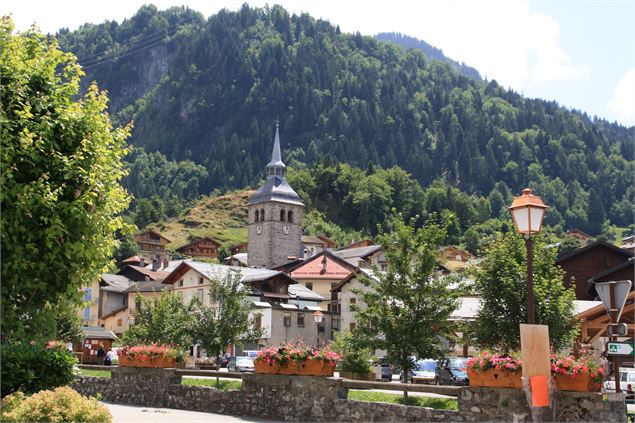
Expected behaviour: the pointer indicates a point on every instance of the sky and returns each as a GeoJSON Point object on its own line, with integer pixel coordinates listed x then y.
{"type": "Point", "coordinates": [580, 53]}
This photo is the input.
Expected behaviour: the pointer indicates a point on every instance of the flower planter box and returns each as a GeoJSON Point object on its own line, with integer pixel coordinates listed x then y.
{"type": "Point", "coordinates": [577, 383]}
{"type": "Point", "coordinates": [158, 362]}
{"type": "Point", "coordinates": [306, 368]}
{"type": "Point", "coordinates": [493, 378]}
{"type": "Point", "coordinates": [358, 376]}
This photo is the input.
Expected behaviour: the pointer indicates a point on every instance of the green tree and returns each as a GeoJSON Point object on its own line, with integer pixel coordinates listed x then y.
{"type": "Point", "coordinates": [501, 281]}
{"type": "Point", "coordinates": [60, 185]}
{"type": "Point", "coordinates": [165, 320]}
{"type": "Point", "coordinates": [227, 320]}
{"type": "Point", "coordinates": [406, 308]}
{"type": "Point", "coordinates": [567, 245]}
{"type": "Point", "coordinates": [127, 248]}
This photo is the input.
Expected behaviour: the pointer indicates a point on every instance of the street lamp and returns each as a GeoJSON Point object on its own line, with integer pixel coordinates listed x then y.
{"type": "Point", "coordinates": [528, 212]}
{"type": "Point", "coordinates": [317, 318]}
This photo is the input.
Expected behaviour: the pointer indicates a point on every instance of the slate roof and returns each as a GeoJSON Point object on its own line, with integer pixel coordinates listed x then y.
{"type": "Point", "coordinates": [96, 332]}
{"type": "Point", "coordinates": [593, 245]}
{"type": "Point", "coordinates": [221, 271]}
{"type": "Point", "coordinates": [115, 283]}
{"type": "Point", "coordinates": [301, 292]}
{"type": "Point", "coordinates": [276, 188]}
{"type": "Point", "coordinates": [354, 255]}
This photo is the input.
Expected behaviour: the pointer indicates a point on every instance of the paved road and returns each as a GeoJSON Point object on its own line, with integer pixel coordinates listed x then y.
{"type": "Point", "coordinates": [131, 413]}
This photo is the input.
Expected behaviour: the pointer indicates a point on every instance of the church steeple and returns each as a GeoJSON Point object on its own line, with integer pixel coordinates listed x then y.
{"type": "Point", "coordinates": [276, 167]}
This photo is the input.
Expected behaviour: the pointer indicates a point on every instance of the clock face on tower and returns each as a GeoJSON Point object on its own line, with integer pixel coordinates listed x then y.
{"type": "Point", "coordinates": [258, 229]}
{"type": "Point", "coordinates": [286, 230]}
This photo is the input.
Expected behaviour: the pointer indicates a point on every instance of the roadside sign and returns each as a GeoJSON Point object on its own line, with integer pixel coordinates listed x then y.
{"type": "Point", "coordinates": [622, 289]}
{"type": "Point", "coordinates": [622, 349]}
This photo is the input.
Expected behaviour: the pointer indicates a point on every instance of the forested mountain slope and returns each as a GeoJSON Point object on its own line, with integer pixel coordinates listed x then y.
{"type": "Point", "coordinates": [209, 90]}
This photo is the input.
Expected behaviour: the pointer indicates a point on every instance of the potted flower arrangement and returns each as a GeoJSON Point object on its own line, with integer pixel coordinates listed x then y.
{"type": "Point", "coordinates": [152, 355]}
{"type": "Point", "coordinates": [495, 370]}
{"type": "Point", "coordinates": [582, 374]}
{"type": "Point", "coordinates": [296, 359]}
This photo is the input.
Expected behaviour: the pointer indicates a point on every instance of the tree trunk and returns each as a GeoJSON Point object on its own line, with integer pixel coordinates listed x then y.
{"type": "Point", "coordinates": [405, 388]}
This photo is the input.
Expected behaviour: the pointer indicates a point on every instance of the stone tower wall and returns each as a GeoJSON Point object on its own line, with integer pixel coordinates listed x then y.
{"type": "Point", "coordinates": [272, 247]}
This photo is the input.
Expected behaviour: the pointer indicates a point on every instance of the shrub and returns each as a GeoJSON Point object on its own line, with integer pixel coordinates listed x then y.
{"type": "Point", "coordinates": [355, 358]}
{"type": "Point", "coordinates": [61, 405]}
{"type": "Point", "coordinates": [32, 367]}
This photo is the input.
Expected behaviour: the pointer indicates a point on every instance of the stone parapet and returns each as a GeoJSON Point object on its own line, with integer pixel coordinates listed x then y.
{"type": "Point", "coordinates": [320, 399]}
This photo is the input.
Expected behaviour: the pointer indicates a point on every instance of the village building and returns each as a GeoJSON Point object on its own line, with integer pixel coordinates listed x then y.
{"type": "Point", "coordinates": [202, 247]}
{"type": "Point", "coordinates": [365, 256]}
{"type": "Point", "coordinates": [281, 307]}
{"type": "Point", "coordinates": [274, 217]}
{"type": "Point", "coordinates": [628, 243]}
{"type": "Point", "coordinates": [314, 244]}
{"type": "Point", "coordinates": [586, 263]}
{"type": "Point", "coordinates": [152, 244]}
{"type": "Point", "coordinates": [583, 237]}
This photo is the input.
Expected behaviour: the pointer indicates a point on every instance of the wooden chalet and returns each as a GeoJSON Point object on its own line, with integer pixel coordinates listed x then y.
{"type": "Point", "coordinates": [202, 247]}
{"type": "Point", "coordinates": [151, 244]}
{"type": "Point", "coordinates": [593, 321]}
{"type": "Point", "coordinates": [585, 263]}
{"type": "Point", "coordinates": [578, 234]}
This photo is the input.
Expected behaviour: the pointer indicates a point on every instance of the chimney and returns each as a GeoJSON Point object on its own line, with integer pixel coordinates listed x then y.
{"type": "Point", "coordinates": [155, 264]}
{"type": "Point", "coordinates": [142, 262]}
{"type": "Point", "coordinates": [166, 262]}
{"type": "Point", "coordinates": [323, 263]}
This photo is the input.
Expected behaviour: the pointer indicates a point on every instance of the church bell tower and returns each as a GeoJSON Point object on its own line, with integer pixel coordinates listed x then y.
{"type": "Point", "coordinates": [274, 217]}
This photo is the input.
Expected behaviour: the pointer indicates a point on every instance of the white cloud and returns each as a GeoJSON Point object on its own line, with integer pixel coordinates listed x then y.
{"type": "Point", "coordinates": [623, 102]}
{"type": "Point", "coordinates": [503, 39]}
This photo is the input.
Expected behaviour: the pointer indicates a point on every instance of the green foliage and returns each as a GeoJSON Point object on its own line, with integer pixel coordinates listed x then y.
{"type": "Point", "coordinates": [128, 247]}
{"type": "Point", "coordinates": [60, 191]}
{"type": "Point", "coordinates": [354, 357]}
{"type": "Point", "coordinates": [501, 281]}
{"type": "Point", "coordinates": [406, 308]}
{"type": "Point", "coordinates": [164, 320]}
{"type": "Point", "coordinates": [227, 319]}
{"type": "Point", "coordinates": [350, 99]}
{"type": "Point", "coordinates": [567, 245]}
{"type": "Point", "coordinates": [31, 367]}
{"type": "Point", "coordinates": [60, 405]}
{"type": "Point", "coordinates": [438, 403]}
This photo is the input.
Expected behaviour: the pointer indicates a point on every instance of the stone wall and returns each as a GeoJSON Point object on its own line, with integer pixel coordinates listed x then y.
{"type": "Point", "coordinates": [304, 398]}
{"type": "Point", "coordinates": [500, 404]}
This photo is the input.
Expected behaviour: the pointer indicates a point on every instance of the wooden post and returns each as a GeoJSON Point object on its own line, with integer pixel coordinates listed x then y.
{"type": "Point", "coordinates": [536, 358]}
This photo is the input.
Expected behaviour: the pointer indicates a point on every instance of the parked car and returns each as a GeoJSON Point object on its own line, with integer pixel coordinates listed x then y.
{"type": "Point", "coordinates": [627, 380]}
{"type": "Point", "coordinates": [224, 361]}
{"type": "Point", "coordinates": [249, 353]}
{"type": "Point", "coordinates": [452, 371]}
{"type": "Point", "coordinates": [385, 371]}
{"type": "Point", "coordinates": [241, 364]}
{"type": "Point", "coordinates": [423, 372]}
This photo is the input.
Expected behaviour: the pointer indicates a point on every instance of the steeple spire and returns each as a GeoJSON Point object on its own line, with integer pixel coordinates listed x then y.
{"type": "Point", "coordinates": [276, 167]}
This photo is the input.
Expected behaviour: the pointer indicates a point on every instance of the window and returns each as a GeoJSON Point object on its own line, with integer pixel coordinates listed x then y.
{"type": "Point", "coordinates": [201, 280]}
{"type": "Point", "coordinates": [88, 295]}
{"type": "Point", "coordinates": [333, 293]}
{"type": "Point", "coordinates": [333, 308]}
{"type": "Point", "coordinates": [262, 215]}
{"type": "Point", "coordinates": [309, 285]}
{"type": "Point", "coordinates": [119, 322]}
{"type": "Point", "coordinates": [300, 320]}
{"type": "Point", "coordinates": [290, 216]}
{"type": "Point", "coordinates": [256, 215]}
{"type": "Point", "coordinates": [287, 319]}
{"type": "Point", "coordinates": [282, 215]}
{"type": "Point", "coordinates": [336, 323]}
{"type": "Point", "coordinates": [351, 326]}
{"type": "Point", "coordinates": [352, 302]}
{"type": "Point", "coordinates": [181, 282]}
{"type": "Point", "coordinates": [199, 293]}
{"type": "Point", "coordinates": [258, 320]}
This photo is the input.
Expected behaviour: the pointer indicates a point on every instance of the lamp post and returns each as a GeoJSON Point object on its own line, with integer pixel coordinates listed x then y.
{"type": "Point", "coordinates": [528, 212]}
{"type": "Point", "coordinates": [317, 318]}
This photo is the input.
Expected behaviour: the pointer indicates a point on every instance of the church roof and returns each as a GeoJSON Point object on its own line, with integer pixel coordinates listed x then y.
{"type": "Point", "coordinates": [276, 188]}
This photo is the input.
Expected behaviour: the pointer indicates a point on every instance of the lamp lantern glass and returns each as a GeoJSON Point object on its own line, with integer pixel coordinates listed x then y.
{"type": "Point", "coordinates": [528, 212]}
{"type": "Point", "coordinates": [317, 317]}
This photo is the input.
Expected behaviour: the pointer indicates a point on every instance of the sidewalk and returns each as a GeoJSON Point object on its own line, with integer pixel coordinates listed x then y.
{"type": "Point", "coordinates": [132, 413]}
